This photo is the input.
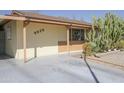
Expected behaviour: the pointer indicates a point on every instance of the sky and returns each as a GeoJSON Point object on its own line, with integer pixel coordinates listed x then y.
{"type": "Point", "coordinates": [85, 15]}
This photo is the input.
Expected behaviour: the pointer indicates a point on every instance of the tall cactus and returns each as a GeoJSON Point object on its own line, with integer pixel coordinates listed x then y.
{"type": "Point", "coordinates": [106, 32]}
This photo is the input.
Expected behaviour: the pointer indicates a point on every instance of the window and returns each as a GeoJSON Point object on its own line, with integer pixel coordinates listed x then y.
{"type": "Point", "coordinates": [8, 32]}
{"type": "Point", "coordinates": [77, 34]}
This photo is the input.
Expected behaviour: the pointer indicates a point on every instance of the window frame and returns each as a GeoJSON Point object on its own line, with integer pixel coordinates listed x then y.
{"type": "Point", "coordinates": [81, 31]}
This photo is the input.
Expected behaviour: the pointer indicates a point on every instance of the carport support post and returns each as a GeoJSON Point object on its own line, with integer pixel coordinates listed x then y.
{"type": "Point", "coordinates": [85, 31]}
{"type": "Point", "coordinates": [68, 50]}
{"type": "Point", "coordinates": [24, 40]}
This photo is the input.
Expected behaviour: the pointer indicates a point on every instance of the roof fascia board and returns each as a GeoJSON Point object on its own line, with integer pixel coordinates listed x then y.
{"type": "Point", "coordinates": [46, 21]}
{"type": "Point", "coordinates": [58, 23]}
{"type": "Point", "coordinates": [16, 12]}
{"type": "Point", "coordinates": [12, 18]}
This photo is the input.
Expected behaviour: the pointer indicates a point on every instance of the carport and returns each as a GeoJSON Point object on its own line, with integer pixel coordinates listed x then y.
{"type": "Point", "coordinates": [3, 21]}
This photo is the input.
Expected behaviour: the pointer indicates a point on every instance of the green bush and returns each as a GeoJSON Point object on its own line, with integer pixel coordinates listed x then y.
{"type": "Point", "coordinates": [106, 33]}
{"type": "Point", "coordinates": [88, 48]}
{"type": "Point", "coordinates": [120, 45]}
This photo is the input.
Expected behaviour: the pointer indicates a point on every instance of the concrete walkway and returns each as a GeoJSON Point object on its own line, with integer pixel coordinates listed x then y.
{"type": "Point", "coordinates": [57, 69]}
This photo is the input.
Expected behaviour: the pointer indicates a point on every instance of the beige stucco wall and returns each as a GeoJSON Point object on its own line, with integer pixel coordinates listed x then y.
{"type": "Point", "coordinates": [42, 44]}
{"type": "Point", "coordinates": [10, 45]}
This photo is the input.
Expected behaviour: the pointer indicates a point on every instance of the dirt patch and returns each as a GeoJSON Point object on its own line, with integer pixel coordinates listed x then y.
{"type": "Point", "coordinates": [113, 58]}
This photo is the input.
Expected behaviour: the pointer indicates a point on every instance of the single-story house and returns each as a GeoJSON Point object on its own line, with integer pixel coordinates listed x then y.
{"type": "Point", "coordinates": [25, 35]}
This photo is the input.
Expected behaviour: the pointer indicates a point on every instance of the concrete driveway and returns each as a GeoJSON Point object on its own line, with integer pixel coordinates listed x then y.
{"type": "Point", "coordinates": [57, 69]}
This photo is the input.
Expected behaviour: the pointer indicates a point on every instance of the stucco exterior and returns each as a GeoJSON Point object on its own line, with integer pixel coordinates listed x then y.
{"type": "Point", "coordinates": [40, 44]}
{"type": "Point", "coordinates": [10, 44]}
{"type": "Point", "coordinates": [41, 40]}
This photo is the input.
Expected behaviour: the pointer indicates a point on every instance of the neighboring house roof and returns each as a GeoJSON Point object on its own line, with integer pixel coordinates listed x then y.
{"type": "Point", "coordinates": [46, 17]}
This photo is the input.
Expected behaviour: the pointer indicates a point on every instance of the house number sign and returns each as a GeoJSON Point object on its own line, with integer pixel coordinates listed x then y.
{"type": "Point", "coordinates": [39, 31]}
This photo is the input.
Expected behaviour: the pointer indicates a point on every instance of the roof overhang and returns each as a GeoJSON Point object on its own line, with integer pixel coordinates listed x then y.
{"type": "Point", "coordinates": [8, 18]}
{"type": "Point", "coordinates": [58, 23]}
{"type": "Point", "coordinates": [12, 18]}
{"type": "Point", "coordinates": [5, 19]}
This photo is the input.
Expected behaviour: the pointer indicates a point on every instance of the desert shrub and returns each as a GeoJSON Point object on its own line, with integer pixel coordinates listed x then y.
{"type": "Point", "coordinates": [106, 33]}
{"type": "Point", "coordinates": [88, 48]}
{"type": "Point", "coordinates": [120, 44]}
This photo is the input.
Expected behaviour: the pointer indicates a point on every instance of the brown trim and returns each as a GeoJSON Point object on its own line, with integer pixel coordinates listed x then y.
{"type": "Point", "coordinates": [73, 46]}
{"type": "Point", "coordinates": [74, 25]}
{"type": "Point", "coordinates": [4, 22]}
{"type": "Point", "coordinates": [12, 18]}
{"type": "Point", "coordinates": [30, 18]}
{"type": "Point", "coordinates": [79, 27]}
{"type": "Point", "coordinates": [16, 12]}
{"type": "Point", "coordinates": [48, 22]}
{"type": "Point", "coordinates": [76, 42]}
{"type": "Point", "coordinates": [48, 18]}
{"type": "Point", "coordinates": [26, 23]}
{"type": "Point", "coordinates": [62, 46]}
{"type": "Point", "coordinates": [59, 23]}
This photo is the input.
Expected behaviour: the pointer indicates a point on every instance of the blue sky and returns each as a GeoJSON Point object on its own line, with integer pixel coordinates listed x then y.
{"type": "Point", "coordinates": [85, 15]}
